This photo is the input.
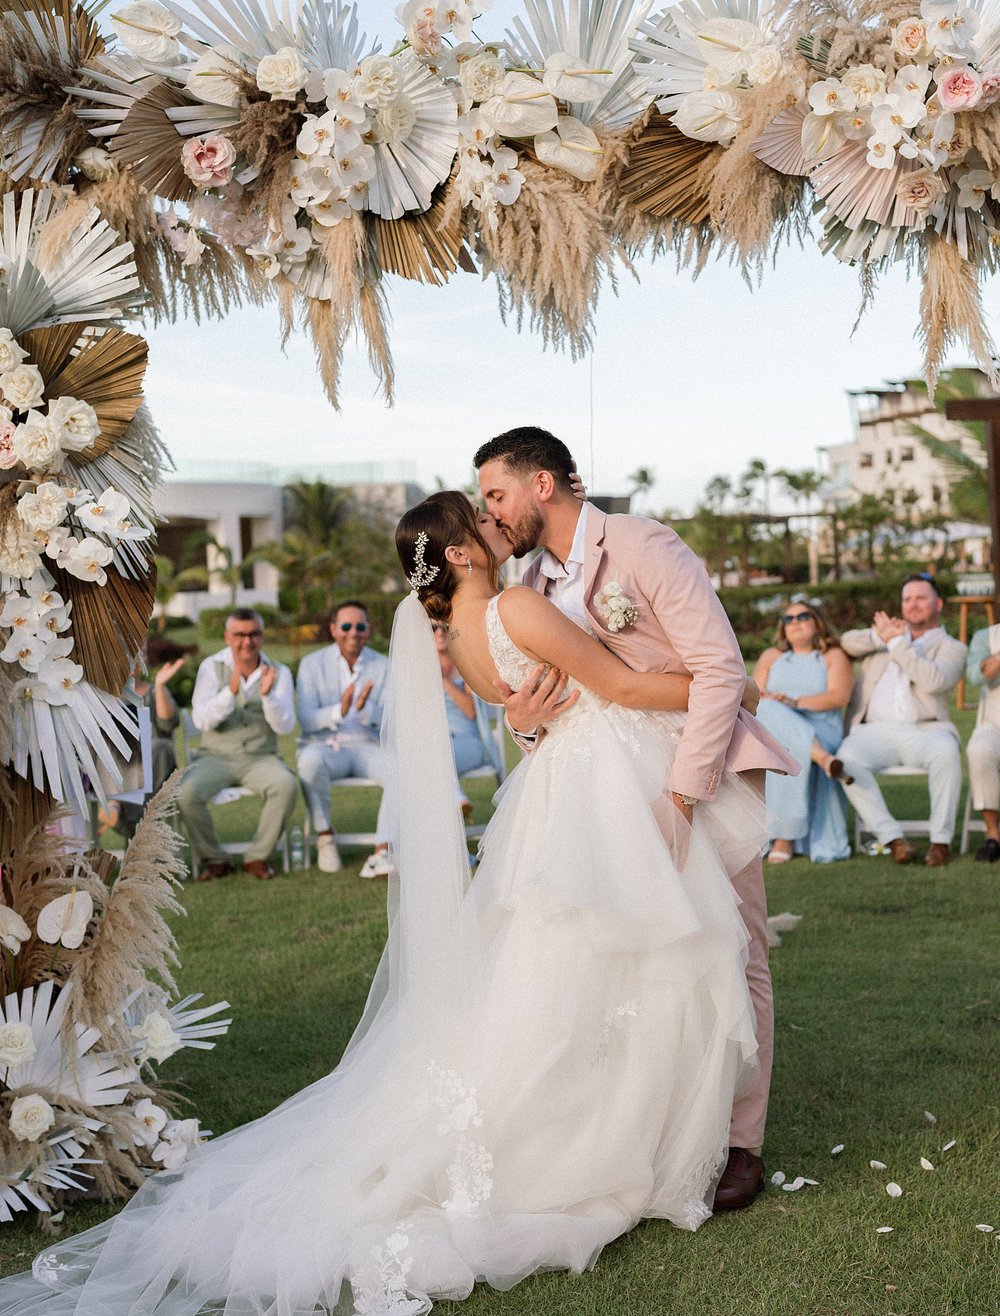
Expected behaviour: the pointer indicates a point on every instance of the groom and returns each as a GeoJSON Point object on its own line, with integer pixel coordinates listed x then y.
{"type": "Point", "coordinates": [679, 626]}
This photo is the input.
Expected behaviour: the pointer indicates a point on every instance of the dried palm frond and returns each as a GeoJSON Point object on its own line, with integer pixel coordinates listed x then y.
{"type": "Point", "coordinates": [550, 252]}
{"type": "Point", "coordinates": [951, 310]}
{"type": "Point", "coordinates": [665, 174]}
{"type": "Point", "coordinates": [22, 808]}
{"type": "Point", "coordinates": [780, 144]}
{"type": "Point", "coordinates": [110, 624]}
{"type": "Point", "coordinates": [853, 191]}
{"type": "Point", "coordinates": [149, 142]}
{"type": "Point", "coordinates": [407, 173]}
{"type": "Point", "coordinates": [425, 247]}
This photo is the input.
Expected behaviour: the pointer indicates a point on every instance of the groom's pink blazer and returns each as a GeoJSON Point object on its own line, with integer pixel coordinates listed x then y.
{"type": "Point", "coordinates": [681, 627]}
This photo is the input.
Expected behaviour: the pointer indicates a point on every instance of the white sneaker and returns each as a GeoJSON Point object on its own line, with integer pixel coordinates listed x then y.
{"type": "Point", "coordinates": [376, 865]}
{"type": "Point", "coordinates": [327, 854]}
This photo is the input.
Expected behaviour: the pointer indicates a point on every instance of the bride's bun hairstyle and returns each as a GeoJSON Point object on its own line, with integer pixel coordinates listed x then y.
{"type": "Point", "coordinates": [441, 521]}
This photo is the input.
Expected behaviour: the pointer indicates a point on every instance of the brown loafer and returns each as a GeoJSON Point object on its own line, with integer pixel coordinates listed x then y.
{"type": "Point", "coordinates": [741, 1181]}
{"type": "Point", "coordinates": [836, 771]}
{"type": "Point", "coordinates": [217, 868]}
{"type": "Point", "coordinates": [938, 855]}
{"type": "Point", "coordinates": [259, 869]}
{"type": "Point", "coordinates": [902, 851]}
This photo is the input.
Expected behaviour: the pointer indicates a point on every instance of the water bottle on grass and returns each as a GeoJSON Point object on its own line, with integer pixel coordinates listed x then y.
{"type": "Point", "coordinates": [297, 848]}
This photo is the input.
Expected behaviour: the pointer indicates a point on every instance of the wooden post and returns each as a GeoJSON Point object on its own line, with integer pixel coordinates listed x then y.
{"type": "Point", "coordinates": [986, 410]}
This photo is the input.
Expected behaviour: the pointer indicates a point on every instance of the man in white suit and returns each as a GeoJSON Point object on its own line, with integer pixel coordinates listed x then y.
{"type": "Point", "coordinates": [340, 691]}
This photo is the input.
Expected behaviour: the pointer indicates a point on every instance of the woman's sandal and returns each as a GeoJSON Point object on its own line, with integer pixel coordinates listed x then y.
{"type": "Point", "coordinates": [779, 857]}
{"type": "Point", "coordinates": [836, 771]}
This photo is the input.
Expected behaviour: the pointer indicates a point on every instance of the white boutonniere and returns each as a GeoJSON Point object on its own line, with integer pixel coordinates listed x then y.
{"type": "Point", "coordinates": [615, 607]}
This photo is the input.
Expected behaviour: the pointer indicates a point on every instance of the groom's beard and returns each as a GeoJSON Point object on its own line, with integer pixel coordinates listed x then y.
{"type": "Point", "coordinates": [526, 532]}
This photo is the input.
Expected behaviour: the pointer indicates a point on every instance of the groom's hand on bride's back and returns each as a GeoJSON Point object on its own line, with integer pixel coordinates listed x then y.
{"type": "Point", "coordinates": [751, 696]}
{"type": "Point", "coordinates": [541, 698]}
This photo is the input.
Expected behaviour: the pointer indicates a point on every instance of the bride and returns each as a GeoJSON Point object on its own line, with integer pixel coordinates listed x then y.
{"type": "Point", "coordinates": [548, 1054]}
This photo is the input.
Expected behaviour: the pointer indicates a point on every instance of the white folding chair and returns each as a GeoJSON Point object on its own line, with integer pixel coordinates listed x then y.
{"type": "Point", "coordinates": [910, 826]}
{"type": "Point", "coordinates": [191, 738]}
{"type": "Point", "coordinates": [360, 839]}
{"type": "Point", "coordinates": [969, 824]}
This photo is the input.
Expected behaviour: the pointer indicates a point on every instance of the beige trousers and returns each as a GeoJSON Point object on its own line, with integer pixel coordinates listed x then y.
{"type": "Point", "coordinates": [984, 767]}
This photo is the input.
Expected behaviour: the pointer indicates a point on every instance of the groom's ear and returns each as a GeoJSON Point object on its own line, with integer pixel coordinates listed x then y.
{"type": "Point", "coordinates": [544, 485]}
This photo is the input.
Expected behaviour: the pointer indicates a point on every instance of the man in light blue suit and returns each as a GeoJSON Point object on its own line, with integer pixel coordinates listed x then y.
{"type": "Point", "coordinates": [340, 691]}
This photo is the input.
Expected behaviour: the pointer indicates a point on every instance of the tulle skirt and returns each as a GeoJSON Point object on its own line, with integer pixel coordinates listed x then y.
{"type": "Point", "coordinates": [579, 1077]}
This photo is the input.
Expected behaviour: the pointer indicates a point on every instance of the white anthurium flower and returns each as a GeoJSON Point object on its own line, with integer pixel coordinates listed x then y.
{"type": "Point", "coordinates": [283, 74]}
{"type": "Point", "coordinates": [31, 1116]}
{"type": "Point", "coordinates": [179, 1138]}
{"type": "Point", "coordinates": [96, 164]}
{"type": "Point", "coordinates": [22, 386]}
{"type": "Point", "coordinates": [727, 42]}
{"type": "Point", "coordinates": [568, 79]}
{"type": "Point", "coordinates": [14, 932]}
{"type": "Point", "coordinates": [105, 513]}
{"type": "Point", "coordinates": [11, 351]}
{"type": "Point", "coordinates": [377, 82]}
{"type": "Point", "coordinates": [87, 559]}
{"type": "Point", "coordinates": [481, 76]}
{"type": "Point", "coordinates": [394, 124]}
{"type": "Point", "coordinates": [66, 918]}
{"type": "Point", "coordinates": [522, 109]}
{"type": "Point", "coordinates": [43, 509]}
{"type": "Point", "coordinates": [709, 116]}
{"type": "Point", "coordinates": [881, 154]}
{"type": "Point", "coordinates": [21, 615]}
{"type": "Point", "coordinates": [950, 27]}
{"type": "Point", "coordinates": [507, 178]}
{"type": "Point", "coordinates": [822, 134]}
{"type": "Point", "coordinates": [866, 82]}
{"type": "Point", "coordinates": [830, 96]}
{"type": "Point", "coordinates": [328, 212]}
{"type": "Point", "coordinates": [573, 147]}
{"type": "Point", "coordinates": [973, 188]}
{"type": "Point", "coordinates": [316, 134]}
{"type": "Point", "coordinates": [355, 165]}
{"type": "Point", "coordinates": [211, 76]}
{"type": "Point", "coordinates": [60, 677]}
{"type": "Point", "coordinates": [155, 1037]}
{"type": "Point", "coordinates": [716, 79]}
{"type": "Point", "coordinates": [148, 30]}
{"type": "Point", "coordinates": [17, 1045]}
{"type": "Point", "coordinates": [148, 1122]}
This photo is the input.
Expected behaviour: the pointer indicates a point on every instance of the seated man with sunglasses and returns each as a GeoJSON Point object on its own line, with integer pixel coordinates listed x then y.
{"type": "Point", "coordinates": [340, 692]}
{"type": "Point", "coordinates": [898, 716]}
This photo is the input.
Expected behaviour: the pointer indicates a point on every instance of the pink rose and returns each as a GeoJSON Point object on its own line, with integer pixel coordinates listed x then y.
{"type": "Point", "coordinates": [991, 91]}
{"type": "Point", "coordinates": [960, 89]}
{"type": "Point", "coordinates": [208, 161]}
{"type": "Point", "coordinates": [8, 457]}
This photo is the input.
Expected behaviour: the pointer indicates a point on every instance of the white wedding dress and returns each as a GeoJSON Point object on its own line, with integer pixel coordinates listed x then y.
{"type": "Point", "coordinates": [549, 1055]}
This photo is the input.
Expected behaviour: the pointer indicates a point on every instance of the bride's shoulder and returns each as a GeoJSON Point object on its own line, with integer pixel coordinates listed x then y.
{"type": "Point", "coordinates": [520, 600]}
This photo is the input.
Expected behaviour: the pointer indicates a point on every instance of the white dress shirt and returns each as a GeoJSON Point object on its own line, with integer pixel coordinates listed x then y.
{"type": "Point", "coordinates": [210, 706]}
{"type": "Point", "coordinates": [892, 699]}
{"type": "Point", "coordinates": [564, 582]}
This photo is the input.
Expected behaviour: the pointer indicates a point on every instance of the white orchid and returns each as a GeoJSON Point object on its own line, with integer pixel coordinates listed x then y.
{"type": "Point", "coordinates": [58, 679]}
{"type": "Point", "coordinates": [87, 559]}
{"type": "Point", "coordinates": [148, 1122]}
{"type": "Point", "coordinates": [523, 108]}
{"type": "Point", "coordinates": [14, 932]}
{"type": "Point", "coordinates": [568, 79]}
{"type": "Point", "coordinates": [881, 153]}
{"type": "Point", "coordinates": [54, 621]}
{"type": "Point", "coordinates": [148, 30]}
{"type": "Point", "coordinates": [41, 591]}
{"type": "Point", "coordinates": [912, 81]}
{"type": "Point", "coordinates": [830, 96]}
{"type": "Point", "coordinates": [973, 188]}
{"type": "Point", "coordinates": [341, 97]}
{"type": "Point", "coordinates": [104, 515]}
{"type": "Point", "coordinates": [328, 211]}
{"type": "Point", "coordinates": [66, 918]}
{"type": "Point", "coordinates": [709, 116]}
{"type": "Point", "coordinates": [27, 649]}
{"type": "Point", "coordinates": [950, 27]}
{"type": "Point", "coordinates": [354, 164]}
{"type": "Point", "coordinates": [507, 178]}
{"type": "Point", "coordinates": [21, 615]}
{"type": "Point", "coordinates": [316, 134]}
{"type": "Point", "coordinates": [178, 1139]}
{"type": "Point", "coordinates": [572, 147]}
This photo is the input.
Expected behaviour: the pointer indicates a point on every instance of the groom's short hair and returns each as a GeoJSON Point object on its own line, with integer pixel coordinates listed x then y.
{"type": "Point", "coordinates": [528, 449]}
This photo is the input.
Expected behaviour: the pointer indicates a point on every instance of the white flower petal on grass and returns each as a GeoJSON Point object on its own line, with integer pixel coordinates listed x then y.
{"type": "Point", "coordinates": [793, 1187]}
{"type": "Point", "coordinates": [931, 1119]}
{"type": "Point", "coordinates": [66, 918]}
{"type": "Point", "coordinates": [884, 1229]}
{"type": "Point", "coordinates": [925, 1163]}
{"type": "Point", "coordinates": [985, 1229]}
{"type": "Point", "coordinates": [878, 1165]}
{"type": "Point", "coordinates": [778, 1178]}
{"type": "Point", "coordinates": [948, 1145]}
{"type": "Point", "coordinates": [894, 1190]}
{"type": "Point", "coordinates": [835, 1151]}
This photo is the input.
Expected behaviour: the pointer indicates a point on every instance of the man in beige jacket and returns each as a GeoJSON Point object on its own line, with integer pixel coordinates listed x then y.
{"type": "Point", "coordinates": [898, 716]}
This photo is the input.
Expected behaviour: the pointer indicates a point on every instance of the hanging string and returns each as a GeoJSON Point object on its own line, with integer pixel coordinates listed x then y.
{"type": "Point", "coordinates": [593, 481]}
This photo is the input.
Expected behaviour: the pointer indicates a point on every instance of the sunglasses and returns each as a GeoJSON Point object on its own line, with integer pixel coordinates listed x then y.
{"type": "Point", "coordinates": [245, 635]}
{"type": "Point", "coordinates": [796, 616]}
{"type": "Point", "coordinates": [360, 626]}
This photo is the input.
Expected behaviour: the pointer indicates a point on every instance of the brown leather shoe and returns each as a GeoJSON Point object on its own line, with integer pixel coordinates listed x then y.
{"type": "Point", "coordinates": [217, 868]}
{"type": "Point", "coordinates": [902, 851]}
{"type": "Point", "coordinates": [259, 868]}
{"type": "Point", "coordinates": [742, 1180]}
{"type": "Point", "coordinates": [938, 855]}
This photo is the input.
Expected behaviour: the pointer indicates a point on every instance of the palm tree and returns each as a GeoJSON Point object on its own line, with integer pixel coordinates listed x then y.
{"type": "Point", "coordinates": [642, 480]}
{"type": "Point", "coordinates": [170, 582]}
{"type": "Point", "coordinates": [224, 566]}
{"type": "Point", "coordinates": [967, 492]}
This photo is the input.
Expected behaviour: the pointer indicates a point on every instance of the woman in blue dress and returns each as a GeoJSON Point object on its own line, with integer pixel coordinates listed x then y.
{"type": "Point", "coordinates": [805, 681]}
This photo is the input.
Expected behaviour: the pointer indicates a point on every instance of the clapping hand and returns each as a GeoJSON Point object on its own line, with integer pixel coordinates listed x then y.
{"type": "Point", "coordinates": [365, 691]}
{"type": "Point", "coordinates": [886, 627]}
{"type": "Point", "coordinates": [541, 698]}
{"type": "Point", "coordinates": [267, 677]}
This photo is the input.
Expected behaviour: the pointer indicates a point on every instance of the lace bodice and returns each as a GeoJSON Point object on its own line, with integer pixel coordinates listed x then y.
{"type": "Point", "coordinates": [511, 664]}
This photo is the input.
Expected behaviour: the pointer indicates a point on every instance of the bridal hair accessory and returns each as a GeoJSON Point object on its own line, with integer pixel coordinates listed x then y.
{"type": "Point", "coordinates": [423, 574]}
{"type": "Point", "coordinates": [615, 607]}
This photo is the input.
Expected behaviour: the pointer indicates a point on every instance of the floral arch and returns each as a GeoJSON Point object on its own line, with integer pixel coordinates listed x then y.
{"type": "Point", "coordinates": [158, 156]}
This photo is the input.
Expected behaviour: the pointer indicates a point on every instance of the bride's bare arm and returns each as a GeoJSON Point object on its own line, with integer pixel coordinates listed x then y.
{"type": "Point", "coordinates": [541, 631]}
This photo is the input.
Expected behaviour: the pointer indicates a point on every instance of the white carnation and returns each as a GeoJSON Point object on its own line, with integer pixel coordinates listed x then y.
{"type": "Point", "coordinates": [377, 82]}
{"type": "Point", "coordinates": [31, 1116]}
{"type": "Point", "coordinates": [395, 123]}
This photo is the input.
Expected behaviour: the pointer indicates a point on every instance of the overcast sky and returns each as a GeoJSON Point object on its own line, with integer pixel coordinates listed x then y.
{"type": "Point", "coordinates": [690, 378]}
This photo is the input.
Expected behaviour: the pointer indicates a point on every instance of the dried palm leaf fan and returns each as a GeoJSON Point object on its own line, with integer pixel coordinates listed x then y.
{"type": "Point", "coordinates": [426, 247]}
{"type": "Point", "coordinates": [665, 173]}
{"type": "Point", "coordinates": [150, 143]}
{"type": "Point", "coordinates": [70, 23]}
{"type": "Point", "coordinates": [109, 624]}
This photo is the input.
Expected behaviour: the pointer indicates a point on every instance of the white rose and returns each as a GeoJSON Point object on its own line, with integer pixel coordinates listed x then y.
{"type": "Point", "coordinates": [377, 81]}
{"type": "Point", "coordinates": [481, 77]}
{"type": "Point", "coordinates": [159, 1041]}
{"type": "Point", "coordinates": [30, 1117]}
{"type": "Point", "coordinates": [865, 81]}
{"type": "Point", "coordinates": [395, 123]}
{"type": "Point", "coordinates": [282, 74]}
{"type": "Point", "coordinates": [96, 164]}
{"type": "Point", "coordinates": [17, 557]}
{"type": "Point", "coordinates": [44, 509]}
{"type": "Point", "coordinates": [37, 445]}
{"type": "Point", "coordinates": [22, 386]}
{"type": "Point", "coordinates": [763, 64]}
{"type": "Point", "coordinates": [709, 116]}
{"type": "Point", "coordinates": [909, 39]}
{"type": "Point", "coordinates": [11, 351]}
{"type": "Point", "coordinates": [76, 423]}
{"type": "Point", "coordinates": [17, 1045]}
{"type": "Point", "coordinates": [148, 29]}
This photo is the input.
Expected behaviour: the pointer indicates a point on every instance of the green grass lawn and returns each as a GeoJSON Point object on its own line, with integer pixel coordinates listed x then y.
{"type": "Point", "coordinates": [887, 1007]}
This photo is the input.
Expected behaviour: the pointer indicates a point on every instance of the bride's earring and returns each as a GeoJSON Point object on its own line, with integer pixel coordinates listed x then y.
{"type": "Point", "coordinates": [468, 563]}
